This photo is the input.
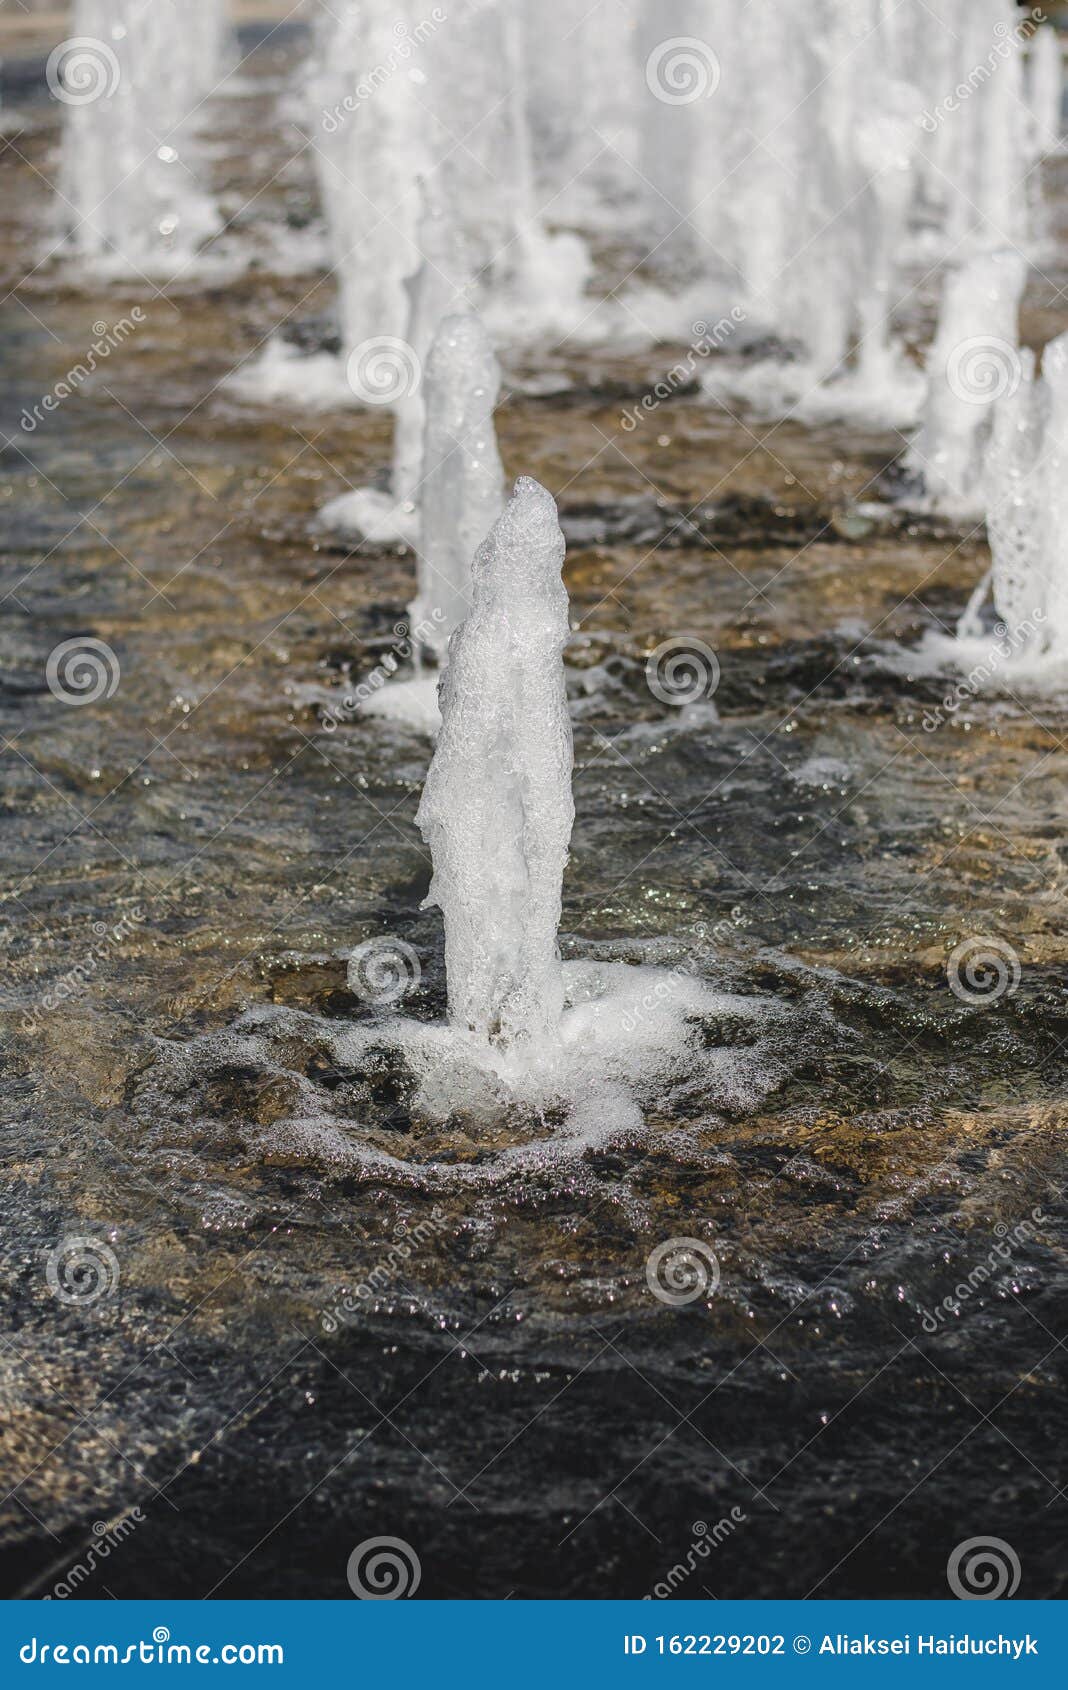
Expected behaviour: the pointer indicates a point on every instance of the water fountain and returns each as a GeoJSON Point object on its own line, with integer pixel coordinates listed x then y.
{"type": "Point", "coordinates": [412, 111]}
{"type": "Point", "coordinates": [1023, 485]}
{"type": "Point", "coordinates": [132, 79]}
{"type": "Point", "coordinates": [592, 1041]}
{"type": "Point", "coordinates": [496, 808]}
{"type": "Point", "coordinates": [487, 1173]}
{"type": "Point", "coordinates": [1026, 476]}
{"type": "Point", "coordinates": [441, 285]}
{"type": "Point", "coordinates": [460, 496]}
{"type": "Point", "coordinates": [815, 270]}
{"type": "Point", "coordinates": [1045, 91]}
{"type": "Point", "coordinates": [462, 491]}
{"type": "Point", "coordinates": [973, 360]}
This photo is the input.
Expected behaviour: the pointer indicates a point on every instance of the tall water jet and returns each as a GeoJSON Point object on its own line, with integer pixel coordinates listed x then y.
{"type": "Point", "coordinates": [132, 79]}
{"type": "Point", "coordinates": [970, 62]}
{"type": "Point", "coordinates": [441, 285]}
{"type": "Point", "coordinates": [461, 496]}
{"type": "Point", "coordinates": [370, 157]}
{"type": "Point", "coordinates": [1045, 91]}
{"type": "Point", "coordinates": [540, 277]}
{"type": "Point", "coordinates": [497, 810]}
{"type": "Point", "coordinates": [1025, 484]}
{"type": "Point", "coordinates": [1012, 465]}
{"type": "Point", "coordinates": [972, 362]}
{"type": "Point", "coordinates": [829, 105]}
{"type": "Point", "coordinates": [410, 101]}
{"type": "Point", "coordinates": [583, 128]}
{"type": "Point", "coordinates": [463, 478]}
{"type": "Point", "coordinates": [1027, 513]}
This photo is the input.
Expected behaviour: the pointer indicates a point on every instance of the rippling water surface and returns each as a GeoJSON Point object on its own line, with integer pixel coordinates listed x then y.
{"type": "Point", "coordinates": [328, 1316]}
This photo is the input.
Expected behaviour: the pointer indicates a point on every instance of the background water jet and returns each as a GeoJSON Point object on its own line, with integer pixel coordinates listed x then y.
{"type": "Point", "coordinates": [133, 82]}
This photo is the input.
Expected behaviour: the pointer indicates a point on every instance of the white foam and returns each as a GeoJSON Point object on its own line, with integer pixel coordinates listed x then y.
{"type": "Point", "coordinates": [630, 1042]}
{"type": "Point", "coordinates": [887, 394]}
{"type": "Point", "coordinates": [281, 373]}
{"type": "Point", "coordinates": [368, 514]}
{"type": "Point", "coordinates": [988, 664]}
{"type": "Point", "coordinates": [414, 703]}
